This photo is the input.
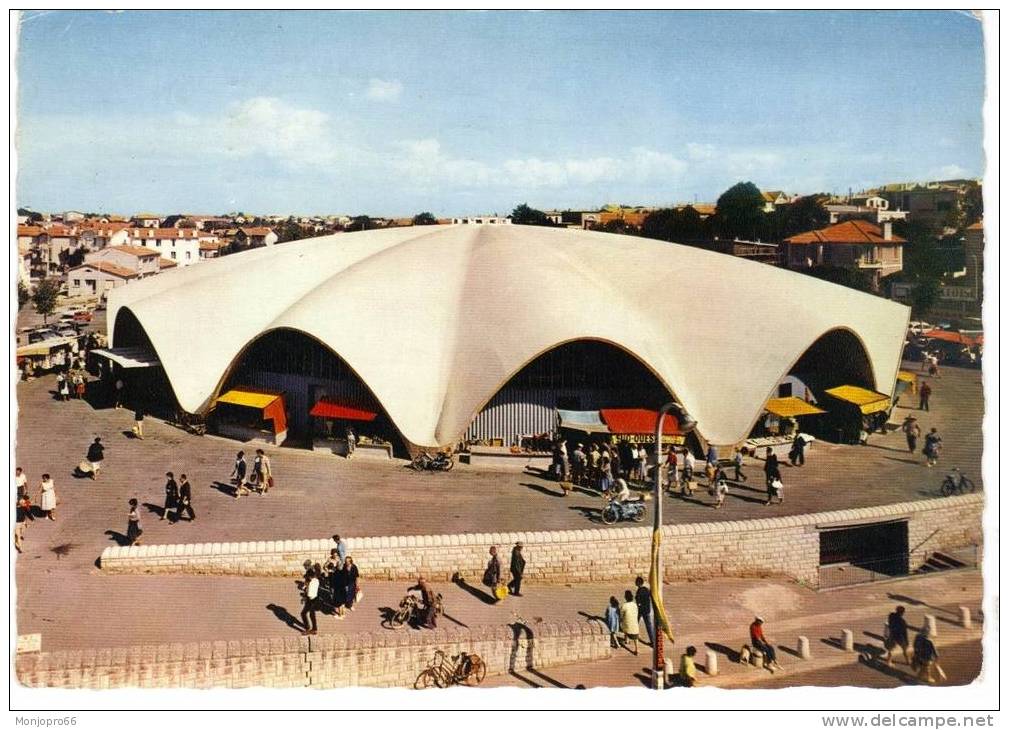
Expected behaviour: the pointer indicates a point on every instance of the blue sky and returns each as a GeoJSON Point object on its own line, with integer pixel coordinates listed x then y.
{"type": "Point", "coordinates": [393, 113]}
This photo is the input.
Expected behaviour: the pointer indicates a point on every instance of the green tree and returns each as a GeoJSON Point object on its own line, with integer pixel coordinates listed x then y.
{"type": "Point", "coordinates": [805, 214]}
{"type": "Point", "coordinates": [851, 278]}
{"type": "Point", "coordinates": [424, 219]}
{"type": "Point", "coordinates": [523, 215]}
{"type": "Point", "coordinates": [679, 225]}
{"type": "Point", "coordinates": [44, 298]}
{"type": "Point", "coordinates": [23, 295]}
{"type": "Point", "coordinates": [925, 263]}
{"type": "Point", "coordinates": [924, 295]}
{"type": "Point", "coordinates": [739, 212]}
{"type": "Point", "coordinates": [361, 223]}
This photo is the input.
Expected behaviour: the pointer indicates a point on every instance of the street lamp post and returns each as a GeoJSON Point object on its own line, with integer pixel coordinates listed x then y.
{"type": "Point", "coordinates": [658, 657]}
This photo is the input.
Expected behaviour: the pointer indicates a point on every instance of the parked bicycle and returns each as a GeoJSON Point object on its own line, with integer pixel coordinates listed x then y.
{"type": "Point", "coordinates": [468, 669]}
{"type": "Point", "coordinates": [956, 482]}
{"type": "Point", "coordinates": [410, 612]}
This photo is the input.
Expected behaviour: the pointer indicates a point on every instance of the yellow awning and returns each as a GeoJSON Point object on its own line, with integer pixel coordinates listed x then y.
{"type": "Point", "coordinates": [791, 406]}
{"type": "Point", "coordinates": [868, 401]}
{"type": "Point", "coordinates": [906, 376]}
{"type": "Point", "coordinates": [249, 398]}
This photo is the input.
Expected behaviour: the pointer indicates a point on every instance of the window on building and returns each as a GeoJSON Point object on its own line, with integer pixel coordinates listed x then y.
{"type": "Point", "coordinates": [77, 282]}
{"type": "Point", "coordinates": [784, 390]}
{"type": "Point", "coordinates": [173, 254]}
{"type": "Point", "coordinates": [189, 255]}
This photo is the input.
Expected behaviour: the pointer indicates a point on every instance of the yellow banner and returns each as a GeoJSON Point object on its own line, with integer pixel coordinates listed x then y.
{"type": "Point", "coordinates": [655, 582]}
{"type": "Point", "coordinates": [647, 438]}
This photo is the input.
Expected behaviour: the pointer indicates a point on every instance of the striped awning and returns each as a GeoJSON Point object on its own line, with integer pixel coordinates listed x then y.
{"type": "Point", "coordinates": [130, 357]}
{"type": "Point", "coordinates": [790, 407]}
{"type": "Point", "coordinates": [868, 401]}
{"type": "Point", "coordinates": [587, 421]}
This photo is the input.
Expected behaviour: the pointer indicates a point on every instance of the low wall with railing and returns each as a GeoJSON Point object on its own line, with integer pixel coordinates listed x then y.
{"type": "Point", "coordinates": [785, 546]}
{"type": "Point", "coordinates": [385, 659]}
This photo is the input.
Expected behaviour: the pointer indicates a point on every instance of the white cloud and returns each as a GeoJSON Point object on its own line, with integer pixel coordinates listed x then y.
{"type": "Point", "coordinates": [269, 126]}
{"type": "Point", "coordinates": [949, 172]}
{"type": "Point", "coordinates": [381, 90]}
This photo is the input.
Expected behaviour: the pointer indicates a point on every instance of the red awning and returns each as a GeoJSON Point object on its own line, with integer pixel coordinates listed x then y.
{"type": "Point", "coordinates": [638, 420]}
{"type": "Point", "coordinates": [329, 408]}
{"type": "Point", "coordinates": [955, 337]}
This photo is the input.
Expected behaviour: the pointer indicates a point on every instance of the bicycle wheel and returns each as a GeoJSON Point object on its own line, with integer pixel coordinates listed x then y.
{"type": "Point", "coordinates": [477, 671]}
{"type": "Point", "coordinates": [948, 487]}
{"type": "Point", "coordinates": [610, 515]}
{"type": "Point", "coordinates": [426, 680]}
{"type": "Point", "coordinates": [967, 485]}
{"type": "Point", "coordinates": [400, 618]}
{"type": "Point", "coordinates": [639, 516]}
{"type": "Point", "coordinates": [448, 465]}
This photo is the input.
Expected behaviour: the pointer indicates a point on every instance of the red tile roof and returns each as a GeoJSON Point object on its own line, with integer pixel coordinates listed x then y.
{"type": "Point", "coordinates": [258, 231]}
{"type": "Point", "coordinates": [155, 233]}
{"type": "Point", "coordinates": [108, 268]}
{"type": "Point", "coordinates": [212, 245]}
{"type": "Point", "coordinates": [138, 251]}
{"type": "Point", "coordinates": [979, 226]}
{"type": "Point", "coordinates": [166, 263]}
{"type": "Point", "coordinates": [854, 231]}
{"type": "Point", "coordinates": [30, 231]}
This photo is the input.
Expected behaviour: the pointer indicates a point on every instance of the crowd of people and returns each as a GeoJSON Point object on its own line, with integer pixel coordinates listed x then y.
{"type": "Point", "coordinates": [26, 510]}
{"type": "Point", "coordinates": [624, 618]}
{"type": "Point", "coordinates": [332, 586]}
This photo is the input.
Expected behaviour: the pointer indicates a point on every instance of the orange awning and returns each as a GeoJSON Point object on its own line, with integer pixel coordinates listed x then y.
{"type": "Point", "coordinates": [638, 420]}
{"type": "Point", "coordinates": [330, 408]}
{"type": "Point", "coordinates": [954, 337]}
{"type": "Point", "coordinates": [270, 403]}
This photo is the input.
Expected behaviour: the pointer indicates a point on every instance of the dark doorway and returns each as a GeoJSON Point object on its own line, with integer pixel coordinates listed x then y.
{"type": "Point", "coordinates": [880, 548]}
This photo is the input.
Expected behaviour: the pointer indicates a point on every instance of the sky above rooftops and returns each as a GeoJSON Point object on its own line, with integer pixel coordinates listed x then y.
{"type": "Point", "coordinates": [461, 113]}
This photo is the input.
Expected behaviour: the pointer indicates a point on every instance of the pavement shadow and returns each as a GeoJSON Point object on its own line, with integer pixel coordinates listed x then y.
{"type": "Point", "coordinates": [882, 667]}
{"type": "Point", "coordinates": [902, 461]}
{"type": "Point", "coordinates": [594, 514]}
{"type": "Point", "coordinates": [789, 650]}
{"type": "Point", "coordinates": [871, 635]}
{"type": "Point", "coordinates": [284, 615]}
{"type": "Point", "coordinates": [744, 498]}
{"type": "Point", "coordinates": [592, 617]}
{"type": "Point", "coordinates": [120, 539]}
{"type": "Point", "coordinates": [129, 434]}
{"type": "Point", "coordinates": [543, 490]}
{"type": "Point", "coordinates": [731, 654]}
{"type": "Point", "coordinates": [901, 598]}
{"type": "Point", "coordinates": [475, 592]}
{"type": "Point", "coordinates": [887, 448]}
{"type": "Point", "coordinates": [225, 488]}
{"type": "Point", "coordinates": [156, 509]}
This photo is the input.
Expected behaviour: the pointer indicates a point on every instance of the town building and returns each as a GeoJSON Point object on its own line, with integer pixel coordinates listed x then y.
{"type": "Point", "coordinates": [112, 267]}
{"type": "Point", "coordinates": [254, 237]}
{"type": "Point", "coordinates": [500, 220]}
{"type": "Point", "coordinates": [181, 245]}
{"type": "Point", "coordinates": [495, 349]}
{"type": "Point", "coordinates": [147, 220]}
{"type": "Point", "coordinates": [854, 244]}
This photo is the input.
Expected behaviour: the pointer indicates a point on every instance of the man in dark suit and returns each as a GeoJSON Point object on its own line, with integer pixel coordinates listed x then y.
{"type": "Point", "coordinates": [185, 499]}
{"type": "Point", "coordinates": [518, 567]}
{"type": "Point", "coordinates": [171, 498]}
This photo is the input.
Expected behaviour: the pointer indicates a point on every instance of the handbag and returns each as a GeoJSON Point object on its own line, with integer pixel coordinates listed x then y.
{"type": "Point", "coordinates": [359, 596]}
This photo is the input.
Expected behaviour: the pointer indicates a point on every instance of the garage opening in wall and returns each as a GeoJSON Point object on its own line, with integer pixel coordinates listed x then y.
{"type": "Point", "coordinates": [864, 553]}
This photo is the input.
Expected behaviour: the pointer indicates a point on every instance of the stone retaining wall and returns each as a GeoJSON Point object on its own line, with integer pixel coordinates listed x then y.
{"type": "Point", "coordinates": [784, 546]}
{"type": "Point", "coordinates": [386, 659]}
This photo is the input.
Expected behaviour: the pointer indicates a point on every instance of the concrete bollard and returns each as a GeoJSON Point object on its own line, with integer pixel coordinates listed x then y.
{"type": "Point", "coordinates": [930, 625]}
{"type": "Point", "coordinates": [965, 619]}
{"type": "Point", "coordinates": [711, 662]}
{"type": "Point", "coordinates": [804, 648]}
{"type": "Point", "coordinates": [848, 640]}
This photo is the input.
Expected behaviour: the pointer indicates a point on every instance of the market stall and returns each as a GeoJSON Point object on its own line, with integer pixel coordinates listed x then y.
{"type": "Point", "coordinates": [782, 421]}
{"type": "Point", "coordinates": [46, 356]}
{"type": "Point", "coordinates": [332, 419]}
{"type": "Point", "coordinates": [853, 409]}
{"type": "Point", "coordinates": [251, 414]}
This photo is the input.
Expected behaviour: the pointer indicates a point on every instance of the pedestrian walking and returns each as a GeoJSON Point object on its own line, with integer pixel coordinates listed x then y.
{"type": "Point", "coordinates": [933, 365]}
{"type": "Point", "coordinates": [933, 445]}
{"type": "Point", "coordinates": [712, 456]}
{"type": "Point", "coordinates": [64, 387]}
{"type": "Point", "coordinates": [351, 592]}
{"type": "Point", "coordinates": [912, 431]}
{"type": "Point", "coordinates": [633, 463]}
{"type": "Point", "coordinates": [185, 500]}
{"type": "Point", "coordinates": [262, 472]}
{"type": "Point", "coordinates": [578, 462]}
{"type": "Point", "coordinates": [737, 462]}
{"type": "Point", "coordinates": [775, 490]}
{"type": "Point", "coordinates": [613, 620]}
{"type": "Point", "coordinates": [171, 498]}
{"type": "Point", "coordinates": [643, 599]}
{"type": "Point", "coordinates": [672, 469]}
{"type": "Point", "coordinates": [629, 620]}
{"type": "Point", "coordinates": [351, 442]}
{"type": "Point", "coordinates": [96, 455]}
{"type": "Point", "coordinates": [47, 497]}
{"type": "Point", "coordinates": [120, 388]}
{"type": "Point", "coordinates": [688, 670]}
{"type": "Point", "coordinates": [926, 657]}
{"type": "Point", "coordinates": [759, 641]}
{"type": "Point", "coordinates": [341, 548]}
{"type": "Point", "coordinates": [21, 482]}
{"type": "Point", "coordinates": [310, 596]}
{"type": "Point", "coordinates": [924, 393]}
{"type": "Point", "coordinates": [138, 422]}
{"type": "Point", "coordinates": [642, 463]}
{"type": "Point", "coordinates": [492, 574]}
{"type": "Point", "coordinates": [605, 472]}
{"type": "Point", "coordinates": [78, 383]}
{"type": "Point", "coordinates": [238, 475]}
{"type": "Point", "coordinates": [721, 489]}
{"type": "Point", "coordinates": [133, 529]}
{"type": "Point", "coordinates": [896, 634]}
{"type": "Point", "coordinates": [518, 568]}
{"type": "Point", "coordinates": [688, 465]}
{"type": "Point", "coordinates": [333, 573]}
{"type": "Point", "coordinates": [771, 469]}
{"type": "Point", "coordinates": [22, 508]}
{"type": "Point", "coordinates": [797, 455]}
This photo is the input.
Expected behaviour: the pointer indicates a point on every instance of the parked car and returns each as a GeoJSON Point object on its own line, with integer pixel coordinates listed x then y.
{"type": "Point", "coordinates": [41, 335]}
{"type": "Point", "coordinates": [82, 317]}
{"type": "Point", "coordinates": [66, 330]}
{"type": "Point", "coordinates": [918, 327]}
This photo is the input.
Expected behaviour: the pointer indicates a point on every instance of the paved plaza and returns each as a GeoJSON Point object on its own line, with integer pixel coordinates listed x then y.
{"type": "Point", "coordinates": [64, 596]}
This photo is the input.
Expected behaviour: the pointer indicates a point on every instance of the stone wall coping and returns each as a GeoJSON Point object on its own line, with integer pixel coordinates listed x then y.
{"type": "Point", "coordinates": [447, 639]}
{"type": "Point", "coordinates": [117, 554]}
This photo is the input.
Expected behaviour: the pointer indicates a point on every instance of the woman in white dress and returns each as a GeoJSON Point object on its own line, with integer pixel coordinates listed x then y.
{"type": "Point", "coordinates": [47, 502]}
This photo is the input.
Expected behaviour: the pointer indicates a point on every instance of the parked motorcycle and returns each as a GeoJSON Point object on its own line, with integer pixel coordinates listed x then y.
{"type": "Point", "coordinates": [439, 462]}
{"type": "Point", "coordinates": [615, 511]}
